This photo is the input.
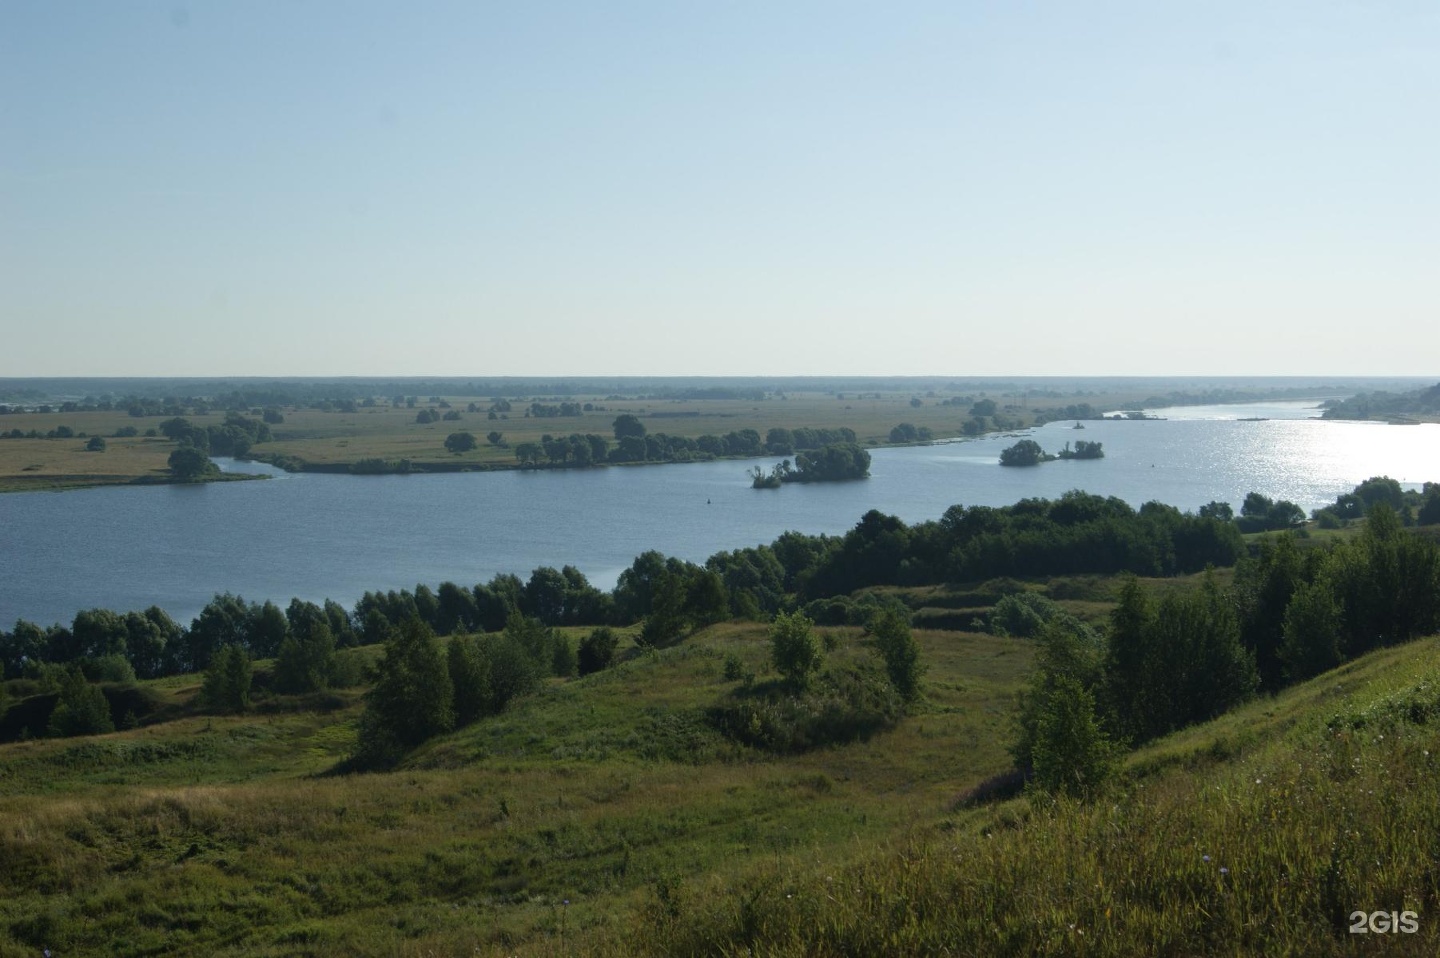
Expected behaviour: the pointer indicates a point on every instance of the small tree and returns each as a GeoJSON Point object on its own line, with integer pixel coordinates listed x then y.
{"type": "Point", "coordinates": [187, 462]}
{"type": "Point", "coordinates": [82, 709]}
{"type": "Point", "coordinates": [1072, 756]}
{"type": "Point", "coordinates": [96, 444]}
{"type": "Point", "coordinates": [412, 698]}
{"type": "Point", "coordinates": [597, 650]}
{"type": "Point", "coordinates": [794, 648]}
{"type": "Point", "coordinates": [458, 442]}
{"type": "Point", "coordinates": [227, 681]}
{"type": "Point", "coordinates": [306, 660]}
{"type": "Point", "coordinates": [470, 673]}
{"type": "Point", "coordinates": [901, 654]}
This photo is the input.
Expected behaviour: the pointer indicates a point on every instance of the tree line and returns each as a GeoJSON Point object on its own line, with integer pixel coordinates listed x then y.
{"type": "Point", "coordinates": [1078, 533]}
{"type": "Point", "coordinates": [1188, 657]}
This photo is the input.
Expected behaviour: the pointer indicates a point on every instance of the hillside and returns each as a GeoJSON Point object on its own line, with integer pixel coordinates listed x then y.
{"type": "Point", "coordinates": [607, 814]}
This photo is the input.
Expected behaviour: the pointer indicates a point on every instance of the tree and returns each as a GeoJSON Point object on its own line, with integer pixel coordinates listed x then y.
{"type": "Point", "coordinates": [1217, 510]}
{"type": "Point", "coordinates": [412, 698]}
{"type": "Point", "coordinates": [1071, 755]}
{"type": "Point", "coordinates": [306, 661]}
{"type": "Point", "coordinates": [899, 650]}
{"type": "Point", "coordinates": [1311, 631]}
{"type": "Point", "coordinates": [470, 674]}
{"type": "Point", "coordinates": [458, 442]}
{"type": "Point", "coordinates": [1026, 452]}
{"type": "Point", "coordinates": [96, 444]}
{"type": "Point", "coordinates": [227, 682]}
{"type": "Point", "coordinates": [628, 426]}
{"type": "Point", "coordinates": [188, 463]}
{"type": "Point", "coordinates": [597, 650]}
{"type": "Point", "coordinates": [82, 708]}
{"type": "Point", "coordinates": [495, 438]}
{"type": "Point", "coordinates": [794, 650]}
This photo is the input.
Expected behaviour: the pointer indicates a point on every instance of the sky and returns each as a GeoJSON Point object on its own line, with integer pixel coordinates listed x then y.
{"type": "Point", "coordinates": [290, 188]}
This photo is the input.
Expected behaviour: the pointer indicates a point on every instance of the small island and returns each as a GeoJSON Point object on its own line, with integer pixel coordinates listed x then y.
{"type": "Point", "coordinates": [837, 462]}
{"type": "Point", "coordinates": [1027, 452]}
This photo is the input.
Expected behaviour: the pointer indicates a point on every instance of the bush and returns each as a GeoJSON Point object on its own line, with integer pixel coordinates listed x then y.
{"type": "Point", "coordinates": [1071, 755]}
{"type": "Point", "coordinates": [597, 650]}
{"type": "Point", "coordinates": [82, 709]}
{"type": "Point", "coordinates": [412, 699]}
{"type": "Point", "coordinates": [901, 655]}
{"type": "Point", "coordinates": [837, 707]}
{"type": "Point", "coordinates": [794, 649]}
{"type": "Point", "coordinates": [227, 681]}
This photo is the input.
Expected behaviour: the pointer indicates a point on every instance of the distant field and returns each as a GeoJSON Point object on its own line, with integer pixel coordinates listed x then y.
{"type": "Point", "coordinates": [333, 440]}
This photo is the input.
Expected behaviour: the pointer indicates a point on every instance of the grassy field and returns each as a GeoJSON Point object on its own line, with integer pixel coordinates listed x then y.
{"type": "Point", "coordinates": [606, 815]}
{"type": "Point", "coordinates": [327, 439]}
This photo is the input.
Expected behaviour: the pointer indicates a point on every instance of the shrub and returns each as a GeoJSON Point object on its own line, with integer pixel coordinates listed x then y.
{"type": "Point", "coordinates": [227, 681]}
{"type": "Point", "coordinates": [82, 709]}
{"type": "Point", "coordinates": [597, 650]}
{"type": "Point", "coordinates": [794, 649]}
{"type": "Point", "coordinates": [901, 655]}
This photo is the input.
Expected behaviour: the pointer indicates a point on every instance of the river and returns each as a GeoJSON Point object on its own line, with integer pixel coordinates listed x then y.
{"type": "Point", "coordinates": [317, 536]}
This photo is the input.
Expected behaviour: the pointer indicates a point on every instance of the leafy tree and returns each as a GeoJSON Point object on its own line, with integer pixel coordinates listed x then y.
{"type": "Point", "coordinates": [597, 650]}
{"type": "Point", "coordinates": [627, 426]}
{"type": "Point", "coordinates": [794, 649]}
{"type": "Point", "coordinates": [306, 661]}
{"type": "Point", "coordinates": [458, 442]}
{"type": "Point", "coordinates": [273, 417]}
{"type": "Point", "coordinates": [1311, 631]}
{"type": "Point", "coordinates": [470, 673]}
{"type": "Point", "coordinates": [495, 438]}
{"type": "Point", "coordinates": [227, 681]}
{"type": "Point", "coordinates": [266, 629]}
{"type": "Point", "coordinates": [223, 621]}
{"type": "Point", "coordinates": [1217, 510]}
{"type": "Point", "coordinates": [412, 698]}
{"type": "Point", "coordinates": [187, 463]}
{"type": "Point", "coordinates": [984, 407]}
{"type": "Point", "coordinates": [82, 708]}
{"type": "Point", "coordinates": [1026, 452]}
{"type": "Point", "coordinates": [1071, 754]}
{"type": "Point", "coordinates": [900, 652]}
{"type": "Point", "coordinates": [96, 444]}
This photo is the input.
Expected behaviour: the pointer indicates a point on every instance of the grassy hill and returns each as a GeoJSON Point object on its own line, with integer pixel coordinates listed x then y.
{"type": "Point", "coordinates": [609, 815]}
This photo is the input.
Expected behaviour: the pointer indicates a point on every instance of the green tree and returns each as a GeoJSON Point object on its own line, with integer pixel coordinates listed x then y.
{"type": "Point", "coordinates": [628, 426]}
{"type": "Point", "coordinates": [897, 647]}
{"type": "Point", "coordinates": [187, 463]}
{"type": "Point", "coordinates": [306, 660]}
{"type": "Point", "coordinates": [1311, 643]}
{"type": "Point", "coordinates": [470, 673]}
{"type": "Point", "coordinates": [1071, 754]}
{"type": "Point", "coordinates": [794, 649]}
{"type": "Point", "coordinates": [1026, 452]}
{"type": "Point", "coordinates": [458, 442]}
{"type": "Point", "coordinates": [96, 444]}
{"type": "Point", "coordinates": [495, 438]}
{"type": "Point", "coordinates": [412, 698]}
{"type": "Point", "coordinates": [82, 708]}
{"type": "Point", "coordinates": [227, 682]}
{"type": "Point", "coordinates": [597, 650]}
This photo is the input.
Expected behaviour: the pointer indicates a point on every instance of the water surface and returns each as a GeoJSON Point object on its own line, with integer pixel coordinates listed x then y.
{"type": "Point", "coordinates": [318, 536]}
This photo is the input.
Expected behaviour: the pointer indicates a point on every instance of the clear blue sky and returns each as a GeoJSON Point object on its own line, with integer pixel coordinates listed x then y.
{"type": "Point", "coordinates": [331, 188]}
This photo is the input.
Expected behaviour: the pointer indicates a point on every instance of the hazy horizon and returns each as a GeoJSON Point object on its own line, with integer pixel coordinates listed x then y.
{"type": "Point", "coordinates": [317, 190]}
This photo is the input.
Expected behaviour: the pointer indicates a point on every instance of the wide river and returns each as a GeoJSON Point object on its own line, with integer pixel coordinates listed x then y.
{"type": "Point", "coordinates": [318, 536]}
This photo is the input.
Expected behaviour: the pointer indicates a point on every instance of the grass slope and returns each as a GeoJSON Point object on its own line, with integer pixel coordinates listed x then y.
{"type": "Point", "coordinates": [605, 815]}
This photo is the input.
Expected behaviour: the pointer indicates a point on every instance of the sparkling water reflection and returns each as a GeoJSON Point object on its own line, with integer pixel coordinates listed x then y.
{"type": "Point", "coordinates": [319, 536]}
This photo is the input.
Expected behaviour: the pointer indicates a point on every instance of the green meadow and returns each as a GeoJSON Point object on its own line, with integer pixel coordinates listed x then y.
{"type": "Point", "coordinates": [608, 815]}
{"type": "Point", "coordinates": [333, 440]}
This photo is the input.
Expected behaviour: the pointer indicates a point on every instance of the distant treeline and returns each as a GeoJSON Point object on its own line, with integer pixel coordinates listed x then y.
{"type": "Point", "coordinates": [1078, 533]}
{"type": "Point", "coordinates": [1385, 405]}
